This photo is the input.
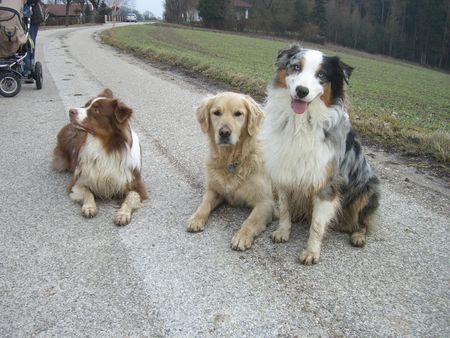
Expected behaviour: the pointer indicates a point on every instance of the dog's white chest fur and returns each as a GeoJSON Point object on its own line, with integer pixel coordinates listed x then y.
{"type": "Point", "coordinates": [107, 174]}
{"type": "Point", "coordinates": [294, 148]}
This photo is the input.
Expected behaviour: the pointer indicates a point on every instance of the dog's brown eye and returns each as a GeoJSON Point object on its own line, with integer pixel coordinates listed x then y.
{"type": "Point", "coordinates": [94, 110]}
{"type": "Point", "coordinates": [217, 113]}
{"type": "Point", "coordinates": [238, 113]}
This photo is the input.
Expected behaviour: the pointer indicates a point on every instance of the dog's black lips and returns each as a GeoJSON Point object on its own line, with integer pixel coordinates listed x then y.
{"type": "Point", "coordinates": [224, 143]}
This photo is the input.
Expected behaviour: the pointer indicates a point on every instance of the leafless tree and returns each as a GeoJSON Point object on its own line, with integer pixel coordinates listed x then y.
{"type": "Point", "coordinates": [120, 3]}
{"type": "Point", "coordinates": [179, 11]}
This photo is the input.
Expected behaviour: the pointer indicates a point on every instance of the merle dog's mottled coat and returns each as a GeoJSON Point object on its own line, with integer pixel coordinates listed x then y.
{"type": "Point", "coordinates": [312, 154]}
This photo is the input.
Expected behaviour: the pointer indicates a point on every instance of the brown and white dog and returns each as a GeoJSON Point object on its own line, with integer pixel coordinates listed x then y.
{"type": "Point", "coordinates": [103, 153]}
{"type": "Point", "coordinates": [236, 172]}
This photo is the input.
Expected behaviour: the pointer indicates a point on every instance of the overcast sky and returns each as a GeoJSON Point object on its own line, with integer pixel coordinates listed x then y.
{"type": "Point", "coordinates": [154, 6]}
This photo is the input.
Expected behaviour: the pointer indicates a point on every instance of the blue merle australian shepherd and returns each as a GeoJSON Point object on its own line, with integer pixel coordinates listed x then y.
{"type": "Point", "coordinates": [312, 154]}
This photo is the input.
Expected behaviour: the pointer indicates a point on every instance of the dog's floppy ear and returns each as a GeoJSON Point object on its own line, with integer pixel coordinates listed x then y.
{"type": "Point", "coordinates": [122, 112]}
{"type": "Point", "coordinates": [284, 55]}
{"type": "Point", "coordinates": [106, 93]}
{"type": "Point", "coordinates": [255, 115]}
{"type": "Point", "coordinates": [346, 70]}
{"type": "Point", "coordinates": [202, 113]}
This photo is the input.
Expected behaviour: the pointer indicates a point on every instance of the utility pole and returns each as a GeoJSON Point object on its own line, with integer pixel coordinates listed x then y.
{"type": "Point", "coordinates": [114, 12]}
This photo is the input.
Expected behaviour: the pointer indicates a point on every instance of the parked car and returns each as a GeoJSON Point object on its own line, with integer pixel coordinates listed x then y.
{"type": "Point", "coordinates": [131, 17]}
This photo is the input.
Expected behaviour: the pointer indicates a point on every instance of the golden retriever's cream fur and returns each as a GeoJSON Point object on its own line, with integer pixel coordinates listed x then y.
{"type": "Point", "coordinates": [236, 172]}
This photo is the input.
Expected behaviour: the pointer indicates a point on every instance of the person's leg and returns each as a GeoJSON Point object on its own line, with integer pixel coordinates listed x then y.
{"type": "Point", "coordinates": [33, 34]}
{"type": "Point", "coordinates": [29, 60]}
{"type": "Point", "coordinates": [27, 64]}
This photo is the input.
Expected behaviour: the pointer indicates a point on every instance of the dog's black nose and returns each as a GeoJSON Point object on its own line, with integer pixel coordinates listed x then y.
{"type": "Point", "coordinates": [301, 91]}
{"type": "Point", "coordinates": [224, 132]}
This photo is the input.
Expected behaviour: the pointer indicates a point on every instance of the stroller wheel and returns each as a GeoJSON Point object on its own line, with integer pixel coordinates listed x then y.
{"type": "Point", "coordinates": [10, 84]}
{"type": "Point", "coordinates": [38, 75]}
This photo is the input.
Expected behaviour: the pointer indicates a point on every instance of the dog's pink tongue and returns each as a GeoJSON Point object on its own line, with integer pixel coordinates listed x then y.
{"type": "Point", "coordinates": [298, 106]}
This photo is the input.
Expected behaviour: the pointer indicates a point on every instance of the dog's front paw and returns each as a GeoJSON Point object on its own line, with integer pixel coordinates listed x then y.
{"type": "Point", "coordinates": [358, 239]}
{"type": "Point", "coordinates": [242, 240]}
{"type": "Point", "coordinates": [89, 211]}
{"type": "Point", "coordinates": [122, 218]}
{"type": "Point", "coordinates": [309, 257]}
{"type": "Point", "coordinates": [280, 235]}
{"type": "Point", "coordinates": [196, 224]}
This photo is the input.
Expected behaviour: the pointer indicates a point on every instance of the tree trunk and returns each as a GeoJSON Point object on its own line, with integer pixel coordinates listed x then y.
{"type": "Point", "coordinates": [67, 12]}
{"type": "Point", "coordinates": [356, 30]}
{"type": "Point", "coordinates": [392, 25]}
{"type": "Point", "coordinates": [391, 44]}
{"type": "Point", "coordinates": [423, 58]}
{"type": "Point", "coordinates": [95, 5]}
{"type": "Point", "coordinates": [355, 41]}
{"type": "Point", "coordinates": [445, 42]}
{"type": "Point", "coordinates": [402, 34]}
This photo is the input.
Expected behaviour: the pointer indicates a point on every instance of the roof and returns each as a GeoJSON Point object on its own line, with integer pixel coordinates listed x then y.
{"type": "Point", "coordinates": [60, 9]}
{"type": "Point", "coordinates": [242, 4]}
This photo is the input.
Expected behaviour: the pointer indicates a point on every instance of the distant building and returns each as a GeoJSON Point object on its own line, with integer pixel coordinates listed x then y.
{"type": "Point", "coordinates": [241, 9]}
{"type": "Point", "coordinates": [57, 14]}
{"type": "Point", "coordinates": [192, 12]}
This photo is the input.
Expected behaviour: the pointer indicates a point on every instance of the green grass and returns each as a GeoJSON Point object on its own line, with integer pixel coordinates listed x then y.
{"type": "Point", "coordinates": [397, 104]}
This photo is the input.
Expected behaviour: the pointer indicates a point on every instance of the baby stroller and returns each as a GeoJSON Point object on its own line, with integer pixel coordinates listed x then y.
{"type": "Point", "coordinates": [16, 49]}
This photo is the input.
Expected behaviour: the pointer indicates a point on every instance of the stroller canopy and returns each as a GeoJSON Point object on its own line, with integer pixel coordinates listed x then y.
{"type": "Point", "coordinates": [12, 35]}
{"type": "Point", "coordinates": [15, 5]}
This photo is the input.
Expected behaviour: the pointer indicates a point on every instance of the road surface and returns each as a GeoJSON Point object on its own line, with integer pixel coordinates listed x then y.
{"type": "Point", "coordinates": [64, 275]}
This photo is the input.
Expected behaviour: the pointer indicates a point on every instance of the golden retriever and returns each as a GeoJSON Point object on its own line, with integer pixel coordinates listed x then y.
{"type": "Point", "coordinates": [235, 168]}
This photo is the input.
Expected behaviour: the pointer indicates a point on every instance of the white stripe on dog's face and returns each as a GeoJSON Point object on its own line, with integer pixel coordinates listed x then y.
{"type": "Point", "coordinates": [82, 112]}
{"type": "Point", "coordinates": [309, 63]}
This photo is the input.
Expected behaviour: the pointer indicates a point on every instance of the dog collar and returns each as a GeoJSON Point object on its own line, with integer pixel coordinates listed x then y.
{"type": "Point", "coordinates": [232, 167]}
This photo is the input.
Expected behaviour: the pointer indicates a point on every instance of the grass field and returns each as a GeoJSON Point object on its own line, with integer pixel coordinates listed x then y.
{"type": "Point", "coordinates": [398, 104]}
